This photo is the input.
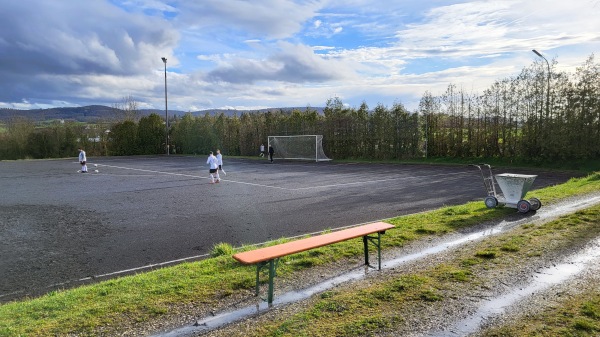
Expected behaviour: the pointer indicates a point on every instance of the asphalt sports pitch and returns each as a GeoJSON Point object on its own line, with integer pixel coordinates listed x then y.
{"type": "Point", "coordinates": [60, 228]}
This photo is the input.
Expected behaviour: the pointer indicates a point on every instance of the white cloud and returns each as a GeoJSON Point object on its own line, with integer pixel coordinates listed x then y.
{"type": "Point", "coordinates": [274, 19]}
{"type": "Point", "coordinates": [290, 63]}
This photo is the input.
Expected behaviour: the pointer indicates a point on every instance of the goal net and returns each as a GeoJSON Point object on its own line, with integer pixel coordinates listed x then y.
{"type": "Point", "coordinates": [305, 147]}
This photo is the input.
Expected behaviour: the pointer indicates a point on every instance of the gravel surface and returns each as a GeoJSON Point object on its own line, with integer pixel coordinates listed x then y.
{"type": "Point", "coordinates": [421, 320]}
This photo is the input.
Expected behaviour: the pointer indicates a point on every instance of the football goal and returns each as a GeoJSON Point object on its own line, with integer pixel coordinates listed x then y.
{"type": "Point", "coordinates": [305, 147]}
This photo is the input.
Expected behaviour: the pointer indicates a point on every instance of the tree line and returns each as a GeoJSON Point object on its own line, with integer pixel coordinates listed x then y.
{"type": "Point", "coordinates": [535, 115]}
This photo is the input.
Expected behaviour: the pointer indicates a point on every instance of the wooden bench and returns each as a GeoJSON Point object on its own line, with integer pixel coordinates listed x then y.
{"type": "Point", "coordinates": [270, 255]}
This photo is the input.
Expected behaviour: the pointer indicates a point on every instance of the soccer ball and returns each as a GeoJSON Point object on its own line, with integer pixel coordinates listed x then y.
{"type": "Point", "coordinates": [95, 165]}
{"type": "Point", "coordinates": [96, 171]}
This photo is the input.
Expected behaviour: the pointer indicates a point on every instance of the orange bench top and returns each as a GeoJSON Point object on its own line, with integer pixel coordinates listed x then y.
{"type": "Point", "coordinates": [273, 252]}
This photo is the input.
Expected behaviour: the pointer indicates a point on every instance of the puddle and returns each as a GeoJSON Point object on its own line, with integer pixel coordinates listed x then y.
{"type": "Point", "coordinates": [219, 320]}
{"type": "Point", "coordinates": [551, 276]}
{"type": "Point", "coordinates": [543, 280]}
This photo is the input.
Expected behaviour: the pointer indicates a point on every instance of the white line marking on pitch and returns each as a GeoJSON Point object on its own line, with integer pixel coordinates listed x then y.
{"type": "Point", "coordinates": [193, 176]}
{"type": "Point", "coordinates": [149, 266]}
{"type": "Point", "coordinates": [150, 171]}
{"type": "Point", "coordinates": [116, 273]}
{"type": "Point", "coordinates": [286, 188]}
{"type": "Point", "coordinates": [377, 181]}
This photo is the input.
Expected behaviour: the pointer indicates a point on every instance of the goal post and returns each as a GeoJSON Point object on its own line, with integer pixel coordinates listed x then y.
{"type": "Point", "coordinates": [302, 147]}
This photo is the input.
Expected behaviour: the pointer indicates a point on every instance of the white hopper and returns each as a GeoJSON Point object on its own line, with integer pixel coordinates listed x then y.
{"type": "Point", "coordinates": [514, 186]}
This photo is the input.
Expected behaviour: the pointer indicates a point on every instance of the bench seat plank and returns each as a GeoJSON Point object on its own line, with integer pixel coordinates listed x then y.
{"type": "Point", "coordinates": [277, 251]}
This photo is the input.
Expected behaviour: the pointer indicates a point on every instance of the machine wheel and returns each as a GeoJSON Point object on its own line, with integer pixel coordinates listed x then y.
{"type": "Point", "coordinates": [523, 206]}
{"type": "Point", "coordinates": [491, 202]}
{"type": "Point", "coordinates": [535, 204]}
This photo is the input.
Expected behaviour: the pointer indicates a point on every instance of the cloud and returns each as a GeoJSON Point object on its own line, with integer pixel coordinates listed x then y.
{"type": "Point", "coordinates": [483, 27]}
{"type": "Point", "coordinates": [73, 40]}
{"type": "Point", "coordinates": [292, 63]}
{"type": "Point", "coordinates": [273, 19]}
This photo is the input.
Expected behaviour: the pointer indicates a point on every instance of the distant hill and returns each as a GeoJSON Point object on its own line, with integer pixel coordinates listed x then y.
{"type": "Point", "coordinates": [95, 113]}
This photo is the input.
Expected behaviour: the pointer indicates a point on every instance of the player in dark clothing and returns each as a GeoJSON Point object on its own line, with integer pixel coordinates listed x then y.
{"type": "Point", "coordinates": [271, 151]}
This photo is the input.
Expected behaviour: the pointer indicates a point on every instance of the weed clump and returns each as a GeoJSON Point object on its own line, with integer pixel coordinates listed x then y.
{"type": "Point", "coordinates": [221, 249]}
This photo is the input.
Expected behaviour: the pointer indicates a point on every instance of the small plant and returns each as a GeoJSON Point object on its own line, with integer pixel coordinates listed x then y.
{"type": "Point", "coordinates": [585, 325]}
{"type": "Point", "coordinates": [408, 282]}
{"type": "Point", "coordinates": [469, 262]}
{"type": "Point", "coordinates": [331, 306]}
{"type": "Point", "coordinates": [221, 249]}
{"type": "Point", "coordinates": [486, 254]}
{"type": "Point", "coordinates": [591, 310]}
{"type": "Point", "coordinates": [430, 296]}
{"type": "Point", "coordinates": [513, 244]}
{"type": "Point", "coordinates": [510, 247]}
{"type": "Point", "coordinates": [367, 326]}
{"type": "Point", "coordinates": [458, 210]}
{"type": "Point", "coordinates": [327, 294]}
{"type": "Point", "coordinates": [425, 231]}
{"type": "Point", "coordinates": [383, 294]}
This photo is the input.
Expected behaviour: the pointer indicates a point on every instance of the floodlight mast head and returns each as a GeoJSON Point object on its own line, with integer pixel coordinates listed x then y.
{"type": "Point", "coordinates": [548, 85]}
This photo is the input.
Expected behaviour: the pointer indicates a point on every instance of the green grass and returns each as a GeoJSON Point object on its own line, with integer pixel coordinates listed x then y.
{"type": "Point", "coordinates": [573, 316]}
{"type": "Point", "coordinates": [119, 303]}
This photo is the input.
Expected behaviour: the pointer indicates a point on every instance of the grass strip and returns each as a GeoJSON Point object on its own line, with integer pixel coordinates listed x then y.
{"type": "Point", "coordinates": [115, 305]}
{"type": "Point", "coordinates": [574, 316]}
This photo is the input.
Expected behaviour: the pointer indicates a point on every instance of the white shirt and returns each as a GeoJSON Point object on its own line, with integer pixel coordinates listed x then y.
{"type": "Point", "coordinates": [212, 161]}
{"type": "Point", "coordinates": [82, 156]}
{"type": "Point", "coordinates": [219, 159]}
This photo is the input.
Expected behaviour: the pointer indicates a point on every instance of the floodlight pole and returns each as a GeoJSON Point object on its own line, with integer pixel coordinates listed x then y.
{"type": "Point", "coordinates": [548, 86]}
{"type": "Point", "coordinates": [426, 134]}
{"type": "Point", "coordinates": [164, 59]}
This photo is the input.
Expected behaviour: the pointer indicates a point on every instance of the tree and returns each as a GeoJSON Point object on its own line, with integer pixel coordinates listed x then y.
{"type": "Point", "coordinates": [18, 132]}
{"type": "Point", "coordinates": [123, 139]}
{"type": "Point", "coordinates": [428, 107]}
{"type": "Point", "coordinates": [151, 134]}
{"type": "Point", "coordinates": [361, 144]}
{"type": "Point", "coordinates": [382, 131]}
{"type": "Point", "coordinates": [127, 109]}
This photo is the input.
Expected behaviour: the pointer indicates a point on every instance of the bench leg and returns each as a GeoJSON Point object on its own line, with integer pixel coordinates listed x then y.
{"type": "Point", "coordinates": [377, 242]}
{"type": "Point", "coordinates": [258, 268]}
{"type": "Point", "coordinates": [366, 248]}
{"type": "Point", "coordinates": [379, 249]}
{"type": "Point", "coordinates": [271, 277]}
{"type": "Point", "coordinates": [272, 268]}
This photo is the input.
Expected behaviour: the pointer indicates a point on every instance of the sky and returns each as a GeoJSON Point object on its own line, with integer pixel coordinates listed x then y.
{"type": "Point", "coordinates": [245, 55]}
